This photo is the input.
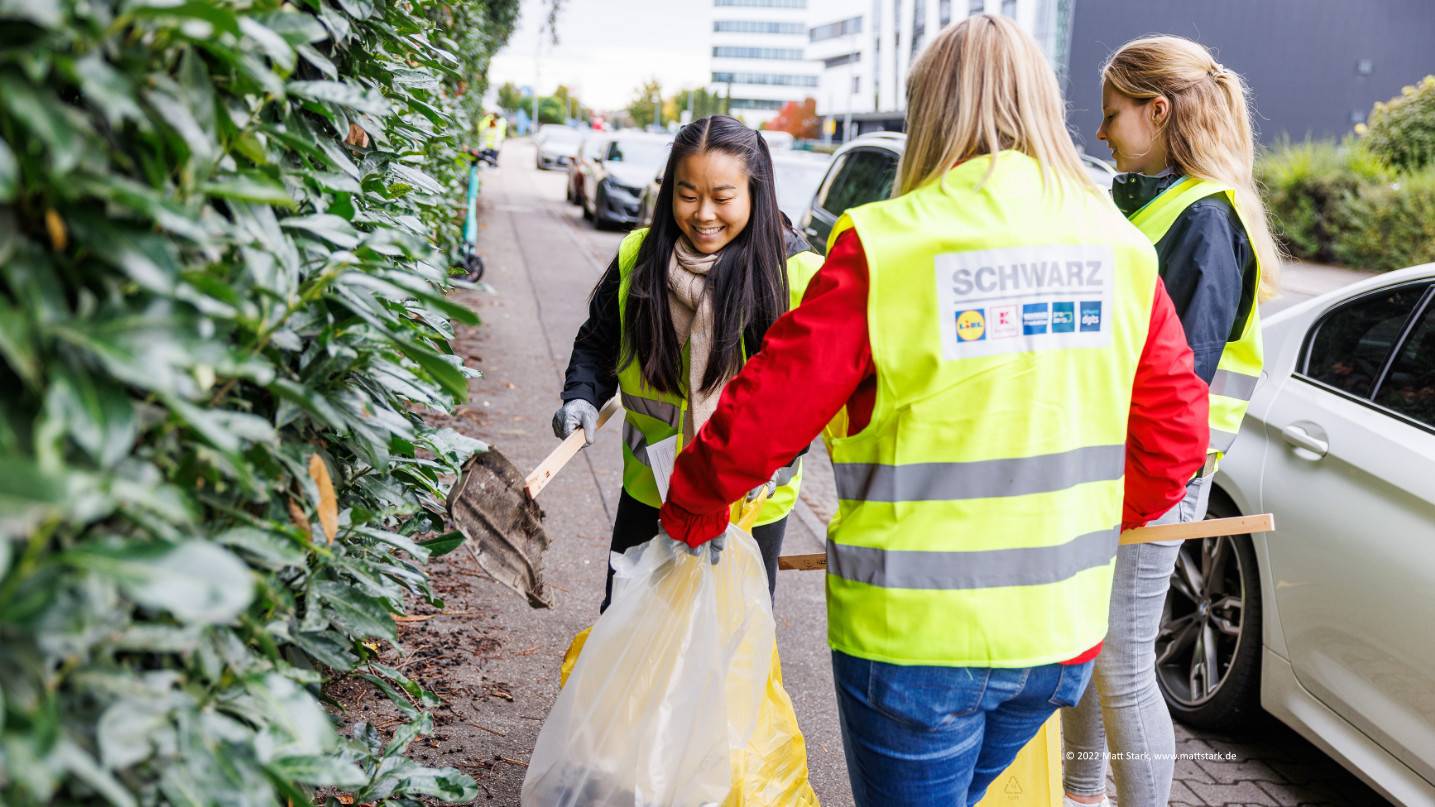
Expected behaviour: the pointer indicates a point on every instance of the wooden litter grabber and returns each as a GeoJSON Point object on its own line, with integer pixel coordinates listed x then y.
{"type": "Point", "coordinates": [1210, 528]}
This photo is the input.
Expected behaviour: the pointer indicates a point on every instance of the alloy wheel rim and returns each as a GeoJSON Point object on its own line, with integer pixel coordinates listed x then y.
{"type": "Point", "coordinates": [1202, 621]}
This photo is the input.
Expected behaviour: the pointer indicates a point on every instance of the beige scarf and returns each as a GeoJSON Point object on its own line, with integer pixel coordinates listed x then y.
{"type": "Point", "coordinates": [692, 312]}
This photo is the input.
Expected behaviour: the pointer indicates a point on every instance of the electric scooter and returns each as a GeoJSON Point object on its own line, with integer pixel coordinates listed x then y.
{"type": "Point", "coordinates": [471, 261]}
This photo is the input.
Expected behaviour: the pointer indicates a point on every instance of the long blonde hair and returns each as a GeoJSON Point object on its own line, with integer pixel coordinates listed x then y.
{"type": "Point", "coordinates": [1208, 131]}
{"type": "Point", "coordinates": [982, 86]}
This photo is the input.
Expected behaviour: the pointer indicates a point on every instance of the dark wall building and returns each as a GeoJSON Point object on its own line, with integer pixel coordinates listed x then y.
{"type": "Point", "coordinates": [1315, 67]}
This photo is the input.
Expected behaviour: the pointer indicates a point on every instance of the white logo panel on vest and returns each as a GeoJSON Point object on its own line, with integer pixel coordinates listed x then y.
{"type": "Point", "coordinates": [1025, 298]}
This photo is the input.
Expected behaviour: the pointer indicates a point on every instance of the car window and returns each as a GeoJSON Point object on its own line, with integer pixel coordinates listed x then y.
{"type": "Point", "coordinates": [865, 175]}
{"type": "Point", "coordinates": [640, 152]}
{"type": "Point", "coordinates": [1351, 343]}
{"type": "Point", "coordinates": [1409, 388]}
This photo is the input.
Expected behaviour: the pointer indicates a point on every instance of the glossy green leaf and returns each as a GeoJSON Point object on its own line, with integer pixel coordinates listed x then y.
{"type": "Point", "coordinates": [196, 582]}
{"type": "Point", "coordinates": [443, 544]}
{"type": "Point", "coordinates": [9, 173]}
{"type": "Point", "coordinates": [340, 94]}
{"type": "Point", "coordinates": [256, 188]}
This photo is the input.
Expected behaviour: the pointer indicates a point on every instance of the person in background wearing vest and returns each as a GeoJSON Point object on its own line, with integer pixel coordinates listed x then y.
{"type": "Point", "coordinates": [1177, 124]}
{"type": "Point", "coordinates": [1017, 389]}
{"type": "Point", "coordinates": [679, 311]}
{"type": "Point", "coordinates": [493, 128]}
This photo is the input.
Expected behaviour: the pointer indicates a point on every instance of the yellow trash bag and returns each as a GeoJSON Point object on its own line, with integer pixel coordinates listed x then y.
{"type": "Point", "coordinates": [772, 768]}
{"type": "Point", "coordinates": [1033, 779]}
{"type": "Point", "coordinates": [674, 697]}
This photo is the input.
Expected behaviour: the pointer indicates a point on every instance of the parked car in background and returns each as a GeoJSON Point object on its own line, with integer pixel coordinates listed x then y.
{"type": "Point", "coordinates": [796, 175]}
{"type": "Point", "coordinates": [865, 169]}
{"type": "Point", "coordinates": [557, 146]}
{"type": "Point", "coordinates": [624, 166]}
{"type": "Point", "coordinates": [580, 168]}
{"type": "Point", "coordinates": [777, 140]}
{"type": "Point", "coordinates": [1327, 622]}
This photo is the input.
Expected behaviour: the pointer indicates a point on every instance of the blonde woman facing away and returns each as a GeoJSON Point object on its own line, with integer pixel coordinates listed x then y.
{"type": "Point", "coordinates": [1005, 352]}
{"type": "Point", "coordinates": [1177, 123]}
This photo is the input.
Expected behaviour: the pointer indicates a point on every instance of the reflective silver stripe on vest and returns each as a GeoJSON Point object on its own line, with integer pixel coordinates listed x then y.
{"type": "Point", "coordinates": [658, 410]}
{"type": "Point", "coordinates": [990, 568]}
{"type": "Point", "coordinates": [1230, 384]}
{"type": "Point", "coordinates": [1222, 441]}
{"type": "Point", "coordinates": [636, 442]}
{"type": "Point", "coordinates": [948, 481]}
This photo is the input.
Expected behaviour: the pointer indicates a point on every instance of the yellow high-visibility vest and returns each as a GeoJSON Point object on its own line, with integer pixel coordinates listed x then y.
{"type": "Point", "coordinates": [979, 511]}
{"type": "Point", "coordinates": [1240, 366]}
{"type": "Point", "coordinates": [651, 416]}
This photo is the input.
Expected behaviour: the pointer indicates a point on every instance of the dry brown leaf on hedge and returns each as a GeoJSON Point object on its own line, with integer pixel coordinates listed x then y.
{"type": "Point", "coordinates": [59, 236]}
{"type": "Point", "coordinates": [358, 138]}
{"type": "Point", "coordinates": [296, 514]}
{"type": "Point", "coordinates": [328, 503]}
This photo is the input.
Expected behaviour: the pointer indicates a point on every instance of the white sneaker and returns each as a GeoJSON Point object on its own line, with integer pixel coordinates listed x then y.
{"type": "Point", "coordinates": [1067, 801]}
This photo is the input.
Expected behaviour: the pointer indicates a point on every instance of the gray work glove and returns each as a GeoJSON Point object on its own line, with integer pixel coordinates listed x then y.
{"type": "Point", "coordinates": [713, 547]}
{"type": "Point", "coordinates": [575, 414]}
{"type": "Point", "coordinates": [770, 486]}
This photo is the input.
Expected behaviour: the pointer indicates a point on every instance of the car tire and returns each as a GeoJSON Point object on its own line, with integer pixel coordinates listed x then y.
{"type": "Point", "coordinates": [600, 219]}
{"type": "Point", "coordinates": [1235, 698]}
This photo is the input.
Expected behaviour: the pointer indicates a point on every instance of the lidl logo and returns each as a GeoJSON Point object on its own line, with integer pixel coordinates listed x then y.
{"type": "Point", "coordinates": [971, 325]}
{"type": "Point", "coordinates": [1035, 317]}
{"type": "Point", "coordinates": [1090, 315]}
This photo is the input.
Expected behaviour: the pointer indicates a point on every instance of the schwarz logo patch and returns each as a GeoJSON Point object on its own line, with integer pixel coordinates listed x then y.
{"type": "Point", "coordinates": [1023, 299]}
{"type": "Point", "coordinates": [971, 325]}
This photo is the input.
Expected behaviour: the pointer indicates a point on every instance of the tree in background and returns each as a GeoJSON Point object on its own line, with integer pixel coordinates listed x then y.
{"type": "Point", "coordinates": [645, 104]}
{"type": "Point", "coordinates": [701, 101]}
{"type": "Point", "coordinates": [798, 119]}
{"type": "Point", "coordinates": [510, 98]}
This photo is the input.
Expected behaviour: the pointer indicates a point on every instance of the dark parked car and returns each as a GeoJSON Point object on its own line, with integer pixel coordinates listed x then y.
{"type": "Point", "coordinates": [626, 164]}
{"type": "Point", "coordinates": [865, 169]}
{"type": "Point", "coordinates": [795, 173]}
{"type": "Point", "coordinates": [580, 169]}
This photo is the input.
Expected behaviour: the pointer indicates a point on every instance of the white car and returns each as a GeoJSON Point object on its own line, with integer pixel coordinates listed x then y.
{"type": "Point", "coordinates": [557, 146]}
{"type": "Point", "coordinates": [1329, 622]}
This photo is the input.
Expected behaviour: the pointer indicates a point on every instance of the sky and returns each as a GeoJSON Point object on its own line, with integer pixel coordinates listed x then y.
{"type": "Point", "coordinates": [607, 48]}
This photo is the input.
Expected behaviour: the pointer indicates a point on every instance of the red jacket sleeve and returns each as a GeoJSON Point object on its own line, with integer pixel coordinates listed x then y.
{"type": "Point", "coordinates": [811, 361]}
{"type": "Point", "coordinates": [1168, 429]}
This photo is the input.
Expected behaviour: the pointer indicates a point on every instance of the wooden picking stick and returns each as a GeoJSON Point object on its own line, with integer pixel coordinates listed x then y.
{"type": "Point", "coordinates": [566, 450]}
{"type": "Point", "coordinates": [1210, 528]}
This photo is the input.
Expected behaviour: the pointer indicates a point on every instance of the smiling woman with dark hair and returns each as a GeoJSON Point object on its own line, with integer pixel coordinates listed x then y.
{"type": "Point", "coordinates": [679, 311]}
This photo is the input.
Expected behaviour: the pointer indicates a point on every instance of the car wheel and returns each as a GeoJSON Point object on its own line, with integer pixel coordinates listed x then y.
{"type": "Point", "coordinates": [1208, 649]}
{"type": "Point", "coordinates": [600, 219]}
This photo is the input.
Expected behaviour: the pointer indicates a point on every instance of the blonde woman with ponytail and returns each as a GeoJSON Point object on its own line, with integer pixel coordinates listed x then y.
{"type": "Point", "coordinates": [1004, 351]}
{"type": "Point", "coordinates": [1178, 124]}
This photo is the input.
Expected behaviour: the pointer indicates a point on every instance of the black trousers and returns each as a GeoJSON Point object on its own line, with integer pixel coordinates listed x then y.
{"type": "Point", "coordinates": [637, 522]}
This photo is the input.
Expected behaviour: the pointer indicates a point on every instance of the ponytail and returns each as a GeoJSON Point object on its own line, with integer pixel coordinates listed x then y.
{"type": "Point", "coordinates": [1208, 133]}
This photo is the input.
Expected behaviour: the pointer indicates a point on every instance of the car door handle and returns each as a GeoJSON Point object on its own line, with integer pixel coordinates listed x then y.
{"type": "Point", "coordinates": [1309, 440]}
{"type": "Point", "coordinates": [812, 231]}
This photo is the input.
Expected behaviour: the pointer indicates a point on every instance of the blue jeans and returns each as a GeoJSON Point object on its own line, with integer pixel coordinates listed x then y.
{"type": "Point", "coordinates": [918, 736]}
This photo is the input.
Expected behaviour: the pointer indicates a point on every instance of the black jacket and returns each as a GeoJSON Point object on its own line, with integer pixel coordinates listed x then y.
{"type": "Point", "coordinates": [1208, 264]}
{"type": "Point", "coordinates": [593, 367]}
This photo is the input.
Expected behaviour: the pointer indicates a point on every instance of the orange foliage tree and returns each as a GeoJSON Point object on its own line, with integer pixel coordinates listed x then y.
{"type": "Point", "coordinates": [797, 119]}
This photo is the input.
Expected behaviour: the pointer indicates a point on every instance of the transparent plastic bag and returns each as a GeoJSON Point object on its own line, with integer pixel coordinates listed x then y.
{"type": "Point", "coordinates": [676, 698]}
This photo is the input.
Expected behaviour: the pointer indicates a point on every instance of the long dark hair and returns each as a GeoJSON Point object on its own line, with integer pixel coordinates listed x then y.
{"type": "Point", "coordinates": [748, 285]}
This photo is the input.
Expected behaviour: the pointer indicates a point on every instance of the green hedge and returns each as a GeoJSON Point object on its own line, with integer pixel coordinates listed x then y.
{"type": "Point", "coordinates": [1368, 201]}
{"type": "Point", "coordinates": [1401, 131]}
{"type": "Point", "coordinates": [223, 236]}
